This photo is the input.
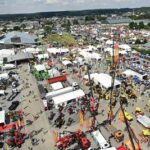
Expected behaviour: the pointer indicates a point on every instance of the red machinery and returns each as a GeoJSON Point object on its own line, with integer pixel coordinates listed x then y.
{"type": "Point", "coordinates": [121, 148]}
{"type": "Point", "coordinates": [17, 140]}
{"type": "Point", "coordinates": [73, 137]}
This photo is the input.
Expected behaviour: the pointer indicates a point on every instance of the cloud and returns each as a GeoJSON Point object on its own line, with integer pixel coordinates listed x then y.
{"type": "Point", "coordinates": [31, 6]}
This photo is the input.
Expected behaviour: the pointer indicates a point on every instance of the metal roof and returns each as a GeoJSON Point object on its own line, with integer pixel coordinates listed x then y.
{"type": "Point", "coordinates": [24, 38]}
{"type": "Point", "coordinates": [118, 20]}
{"type": "Point", "coordinates": [19, 57]}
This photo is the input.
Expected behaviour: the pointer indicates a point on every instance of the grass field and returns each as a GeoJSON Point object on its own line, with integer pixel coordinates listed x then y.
{"type": "Point", "coordinates": [65, 39]}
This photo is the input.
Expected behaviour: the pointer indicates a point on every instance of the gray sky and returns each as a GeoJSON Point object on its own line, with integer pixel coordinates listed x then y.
{"type": "Point", "coordinates": [31, 6]}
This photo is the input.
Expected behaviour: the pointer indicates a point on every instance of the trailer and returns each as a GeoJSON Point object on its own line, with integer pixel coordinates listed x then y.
{"type": "Point", "coordinates": [144, 120]}
{"type": "Point", "coordinates": [99, 138]}
{"type": "Point", "coordinates": [59, 92]}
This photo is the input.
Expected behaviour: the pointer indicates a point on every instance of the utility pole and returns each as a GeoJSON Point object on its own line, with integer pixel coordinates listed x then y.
{"type": "Point", "coordinates": [91, 88]}
{"type": "Point", "coordinates": [110, 114]}
{"type": "Point", "coordinates": [127, 126]}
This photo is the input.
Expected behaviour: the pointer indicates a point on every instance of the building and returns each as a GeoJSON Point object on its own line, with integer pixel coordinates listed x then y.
{"type": "Point", "coordinates": [118, 21]}
{"type": "Point", "coordinates": [17, 39]}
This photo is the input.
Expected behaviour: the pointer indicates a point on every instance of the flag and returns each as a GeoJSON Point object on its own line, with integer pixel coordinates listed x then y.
{"type": "Point", "coordinates": [81, 117]}
{"type": "Point", "coordinates": [88, 123]}
{"type": "Point", "coordinates": [55, 136]}
{"type": "Point", "coordinates": [116, 54]}
{"type": "Point", "coordinates": [121, 117]}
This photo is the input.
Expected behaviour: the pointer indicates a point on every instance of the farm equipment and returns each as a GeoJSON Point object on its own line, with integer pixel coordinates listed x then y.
{"type": "Point", "coordinates": [71, 138]}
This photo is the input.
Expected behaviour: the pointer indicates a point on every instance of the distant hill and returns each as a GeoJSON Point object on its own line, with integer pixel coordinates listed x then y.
{"type": "Point", "coordinates": [34, 16]}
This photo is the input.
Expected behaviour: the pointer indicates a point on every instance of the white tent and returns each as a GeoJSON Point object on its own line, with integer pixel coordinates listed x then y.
{"type": "Point", "coordinates": [109, 42]}
{"type": "Point", "coordinates": [66, 62]}
{"type": "Point", "coordinates": [105, 80]}
{"type": "Point", "coordinates": [2, 116]}
{"type": "Point", "coordinates": [57, 86]}
{"type": "Point", "coordinates": [6, 52]}
{"type": "Point", "coordinates": [91, 76]}
{"type": "Point", "coordinates": [125, 47]}
{"type": "Point", "coordinates": [8, 66]}
{"type": "Point", "coordinates": [57, 50]}
{"type": "Point", "coordinates": [40, 67]}
{"type": "Point", "coordinates": [4, 76]}
{"type": "Point", "coordinates": [2, 92]}
{"type": "Point", "coordinates": [32, 50]}
{"type": "Point", "coordinates": [58, 100]}
{"type": "Point", "coordinates": [53, 72]}
{"type": "Point", "coordinates": [43, 56]}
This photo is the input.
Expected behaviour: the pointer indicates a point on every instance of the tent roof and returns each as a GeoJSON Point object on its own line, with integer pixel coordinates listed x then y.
{"type": "Point", "coordinates": [106, 80]}
{"type": "Point", "coordinates": [19, 56]}
{"type": "Point", "coordinates": [57, 86]}
{"type": "Point", "coordinates": [40, 67]}
{"type": "Point", "coordinates": [2, 116]}
{"type": "Point", "coordinates": [68, 96]}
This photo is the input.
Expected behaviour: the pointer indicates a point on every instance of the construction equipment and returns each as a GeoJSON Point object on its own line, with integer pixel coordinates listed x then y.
{"type": "Point", "coordinates": [130, 144]}
{"type": "Point", "coordinates": [117, 134]}
{"type": "Point", "coordinates": [71, 138]}
{"type": "Point", "coordinates": [131, 93]}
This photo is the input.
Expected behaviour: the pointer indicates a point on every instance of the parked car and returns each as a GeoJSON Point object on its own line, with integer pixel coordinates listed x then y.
{"type": "Point", "coordinates": [14, 105]}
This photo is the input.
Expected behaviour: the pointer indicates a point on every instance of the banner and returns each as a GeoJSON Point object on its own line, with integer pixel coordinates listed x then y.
{"type": "Point", "coordinates": [88, 123]}
{"type": "Point", "coordinates": [116, 54]}
{"type": "Point", "coordinates": [81, 117]}
{"type": "Point", "coordinates": [121, 117]}
{"type": "Point", "coordinates": [55, 136]}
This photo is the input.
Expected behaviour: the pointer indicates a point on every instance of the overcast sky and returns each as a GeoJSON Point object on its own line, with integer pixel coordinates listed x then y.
{"type": "Point", "coordinates": [31, 6]}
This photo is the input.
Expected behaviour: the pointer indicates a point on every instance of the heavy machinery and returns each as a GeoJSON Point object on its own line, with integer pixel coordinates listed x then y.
{"type": "Point", "coordinates": [69, 138]}
{"type": "Point", "coordinates": [117, 134]}
{"type": "Point", "coordinates": [131, 93]}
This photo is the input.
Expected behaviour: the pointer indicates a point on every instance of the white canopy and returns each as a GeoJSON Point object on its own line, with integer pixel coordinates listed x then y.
{"type": "Point", "coordinates": [32, 50]}
{"type": "Point", "coordinates": [6, 52]}
{"type": "Point", "coordinates": [2, 116]}
{"type": "Point", "coordinates": [40, 67]}
{"type": "Point", "coordinates": [8, 66]}
{"type": "Point", "coordinates": [67, 97]}
{"type": "Point", "coordinates": [125, 47]}
{"type": "Point", "coordinates": [2, 92]}
{"type": "Point", "coordinates": [43, 56]}
{"type": "Point", "coordinates": [105, 80]}
{"type": "Point", "coordinates": [57, 50]}
{"type": "Point", "coordinates": [91, 76]}
{"type": "Point", "coordinates": [109, 42]}
{"type": "Point", "coordinates": [4, 76]}
{"type": "Point", "coordinates": [57, 86]}
{"type": "Point", "coordinates": [66, 62]}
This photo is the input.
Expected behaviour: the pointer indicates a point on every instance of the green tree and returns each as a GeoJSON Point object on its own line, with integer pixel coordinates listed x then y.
{"type": "Point", "coordinates": [148, 24]}
{"type": "Point", "coordinates": [89, 18]}
{"type": "Point", "coordinates": [23, 26]}
{"type": "Point", "coordinates": [4, 29]}
{"type": "Point", "coordinates": [47, 29]}
{"type": "Point", "coordinates": [138, 41]}
{"type": "Point", "coordinates": [131, 25]}
{"type": "Point", "coordinates": [141, 25]}
{"type": "Point", "coordinates": [16, 28]}
{"type": "Point", "coordinates": [75, 22]}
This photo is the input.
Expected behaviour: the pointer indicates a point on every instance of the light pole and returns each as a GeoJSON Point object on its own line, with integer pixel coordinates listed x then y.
{"type": "Point", "coordinates": [91, 88]}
